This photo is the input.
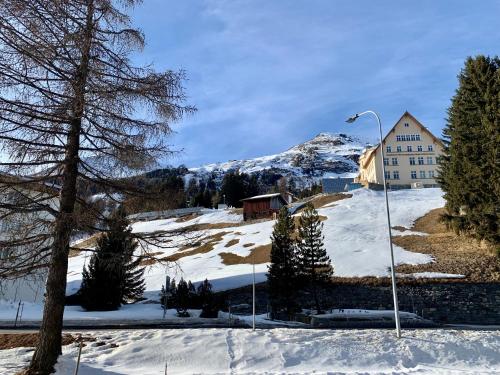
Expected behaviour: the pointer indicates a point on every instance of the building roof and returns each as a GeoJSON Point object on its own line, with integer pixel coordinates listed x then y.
{"type": "Point", "coordinates": [372, 151]}
{"type": "Point", "coordinates": [335, 185]}
{"type": "Point", "coordinates": [264, 196]}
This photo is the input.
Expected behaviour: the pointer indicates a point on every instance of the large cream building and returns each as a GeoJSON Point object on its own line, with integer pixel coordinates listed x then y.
{"type": "Point", "coordinates": [411, 157]}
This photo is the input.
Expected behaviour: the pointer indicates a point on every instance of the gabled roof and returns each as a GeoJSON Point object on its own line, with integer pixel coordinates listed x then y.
{"type": "Point", "coordinates": [419, 124]}
{"type": "Point", "coordinates": [335, 184]}
{"type": "Point", "coordinates": [265, 196]}
{"type": "Point", "coordinates": [372, 151]}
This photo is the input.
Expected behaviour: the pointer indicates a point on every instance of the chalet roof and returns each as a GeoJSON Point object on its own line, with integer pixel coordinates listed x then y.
{"type": "Point", "coordinates": [264, 196]}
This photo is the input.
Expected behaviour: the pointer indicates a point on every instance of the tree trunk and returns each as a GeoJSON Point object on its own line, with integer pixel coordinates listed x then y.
{"type": "Point", "coordinates": [50, 336]}
{"type": "Point", "coordinates": [49, 345]}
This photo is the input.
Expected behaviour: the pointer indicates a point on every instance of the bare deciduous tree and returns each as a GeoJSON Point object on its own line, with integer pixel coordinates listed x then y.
{"type": "Point", "coordinates": [72, 108]}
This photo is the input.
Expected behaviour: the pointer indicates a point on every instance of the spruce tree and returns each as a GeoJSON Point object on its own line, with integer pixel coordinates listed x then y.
{"type": "Point", "coordinates": [470, 167]}
{"type": "Point", "coordinates": [282, 273]}
{"type": "Point", "coordinates": [207, 300]}
{"type": "Point", "coordinates": [315, 267]}
{"type": "Point", "coordinates": [182, 297]}
{"type": "Point", "coordinates": [113, 276]}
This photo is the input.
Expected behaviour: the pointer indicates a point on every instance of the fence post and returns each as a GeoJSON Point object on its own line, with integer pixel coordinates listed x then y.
{"type": "Point", "coordinates": [79, 354]}
{"type": "Point", "coordinates": [17, 314]}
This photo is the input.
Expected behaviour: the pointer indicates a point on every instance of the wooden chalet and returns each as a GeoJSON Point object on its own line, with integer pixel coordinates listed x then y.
{"type": "Point", "coordinates": [262, 206]}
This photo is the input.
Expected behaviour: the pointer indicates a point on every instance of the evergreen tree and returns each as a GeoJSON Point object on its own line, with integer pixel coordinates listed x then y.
{"type": "Point", "coordinates": [233, 187]}
{"type": "Point", "coordinates": [315, 267]}
{"type": "Point", "coordinates": [207, 300]}
{"type": "Point", "coordinates": [113, 276]}
{"type": "Point", "coordinates": [182, 298]}
{"type": "Point", "coordinates": [470, 168]}
{"type": "Point", "coordinates": [282, 274]}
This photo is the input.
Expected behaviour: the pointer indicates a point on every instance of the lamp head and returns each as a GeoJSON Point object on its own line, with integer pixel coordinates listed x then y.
{"type": "Point", "coordinates": [351, 119]}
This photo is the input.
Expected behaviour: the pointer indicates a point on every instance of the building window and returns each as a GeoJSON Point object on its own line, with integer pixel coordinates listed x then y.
{"type": "Point", "coordinates": [406, 125]}
{"type": "Point", "coordinates": [430, 174]}
{"type": "Point", "coordinates": [419, 148]}
{"type": "Point", "coordinates": [387, 175]}
{"type": "Point", "coordinates": [386, 161]}
{"type": "Point", "coordinates": [395, 175]}
{"type": "Point", "coordinates": [412, 160]}
{"type": "Point", "coordinates": [430, 148]}
{"type": "Point", "coordinates": [429, 159]}
{"type": "Point", "coordinates": [394, 161]}
{"type": "Point", "coordinates": [413, 137]}
{"type": "Point", "coordinates": [398, 148]}
{"type": "Point", "coordinates": [413, 175]}
{"type": "Point", "coordinates": [389, 149]}
{"type": "Point", "coordinates": [437, 160]}
{"type": "Point", "coordinates": [417, 137]}
{"type": "Point", "coordinates": [409, 148]}
{"type": "Point", "coordinates": [422, 174]}
{"type": "Point", "coordinates": [408, 138]}
{"type": "Point", "coordinates": [420, 160]}
{"type": "Point", "coordinates": [398, 138]}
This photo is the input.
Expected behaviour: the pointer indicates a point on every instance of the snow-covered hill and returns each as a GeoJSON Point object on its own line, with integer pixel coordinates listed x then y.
{"type": "Point", "coordinates": [326, 155]}
{"type": "Point", "coordinates": [355, 239]}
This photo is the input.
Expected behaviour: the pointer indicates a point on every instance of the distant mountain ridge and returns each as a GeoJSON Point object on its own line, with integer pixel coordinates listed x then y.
{"type": "Point", "coordinates": [326, 155]}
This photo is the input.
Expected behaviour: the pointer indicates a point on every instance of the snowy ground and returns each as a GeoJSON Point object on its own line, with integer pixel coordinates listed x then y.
{"type": "Point", "coordinates": [355, 238]}
{"type": "Point", "coordinates": [278, 351]}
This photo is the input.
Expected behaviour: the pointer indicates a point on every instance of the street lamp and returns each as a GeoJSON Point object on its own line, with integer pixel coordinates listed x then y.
{"type": "Point", "coordinates": [253, 292]}
{"type": "Point", "coordinates": [393, 273]}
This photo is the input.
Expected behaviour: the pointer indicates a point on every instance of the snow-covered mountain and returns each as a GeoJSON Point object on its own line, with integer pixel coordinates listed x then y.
{"type": "Point", "coordinates": [326, 155]}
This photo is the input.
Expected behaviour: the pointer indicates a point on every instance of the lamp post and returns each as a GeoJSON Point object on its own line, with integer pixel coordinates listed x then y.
{"type": "Point", "coordinates": [393, 273]}
{"type": "Point", "coordinates": [253, 292]}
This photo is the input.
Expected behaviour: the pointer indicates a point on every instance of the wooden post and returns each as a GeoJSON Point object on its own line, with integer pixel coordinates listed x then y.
{"type": "Point", "coordinates": [79, 354]}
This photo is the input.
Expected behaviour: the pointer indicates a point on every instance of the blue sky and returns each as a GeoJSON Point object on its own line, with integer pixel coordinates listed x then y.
{"type": "Point", "coordinates": [268, 74]}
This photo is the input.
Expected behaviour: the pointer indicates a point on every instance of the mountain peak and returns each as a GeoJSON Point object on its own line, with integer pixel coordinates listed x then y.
{"type": "Point", "coordinates": [325, 155]}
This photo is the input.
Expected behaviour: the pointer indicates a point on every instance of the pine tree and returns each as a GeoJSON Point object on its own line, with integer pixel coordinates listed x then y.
{"type": "Point", "coordinates": [282, 274]}
{"type": "Point", "coordinates": [315, 267]}
{"type": "Point", "coordinates": [207, 300]}
{"type": "Point", "coordinates": [113, 276]}
{"type": "Point", "coordinates": [181, 298]}
{"type": "Point", "coordinates": [470, 168]}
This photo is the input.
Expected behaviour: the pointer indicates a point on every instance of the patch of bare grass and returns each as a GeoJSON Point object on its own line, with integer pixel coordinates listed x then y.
{"type": "Point", "coordinates": [452, 253]}
{"type": "Point", "coordinates": [258, 255]}
{"type": "Point", "coordinates": [30, 340]}
{"type": "Point", "coordinates": [250, 244]}
{"type": "Point", "coordinates": [232, 242]}
{"type": "Point", "coordinates": [205, 245]}
{"type": "Point", "coordinates": [183, 219]}
{"type": "Point", "coordinates": [88, 243]}
{"type": "Point", "coordinates": [325, 199]}
{"type": "Point", "coordinates": [149, 259]}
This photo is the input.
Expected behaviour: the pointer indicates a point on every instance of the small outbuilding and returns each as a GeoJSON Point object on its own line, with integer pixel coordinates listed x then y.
{"type": "Point", "coordinates": [262, 206]}
{"type": "Point", "coordinates": [335, 185]}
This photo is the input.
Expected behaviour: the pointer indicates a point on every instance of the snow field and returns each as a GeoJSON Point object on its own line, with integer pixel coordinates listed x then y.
{"type": "Point", "coordinates": [277, 351]}
{"type": "Point", "coordinates": [356, 240]}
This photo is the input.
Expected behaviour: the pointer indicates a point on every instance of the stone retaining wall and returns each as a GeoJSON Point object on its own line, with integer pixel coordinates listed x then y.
{"type": "Point", "coordinates": [447, 302]}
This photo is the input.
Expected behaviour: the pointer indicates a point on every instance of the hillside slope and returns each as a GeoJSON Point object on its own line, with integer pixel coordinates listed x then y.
{"type": "Point", "coordinates": [355, 239]}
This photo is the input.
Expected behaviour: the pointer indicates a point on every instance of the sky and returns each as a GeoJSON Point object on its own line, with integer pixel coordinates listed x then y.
{"type": "Point", "coordinates": [266, 75]}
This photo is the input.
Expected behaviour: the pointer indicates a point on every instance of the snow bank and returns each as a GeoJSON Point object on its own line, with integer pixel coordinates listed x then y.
{"type": "Point", "coordinates": [277, 351]}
